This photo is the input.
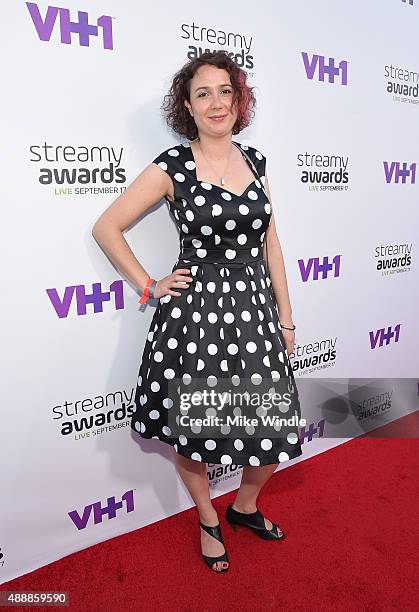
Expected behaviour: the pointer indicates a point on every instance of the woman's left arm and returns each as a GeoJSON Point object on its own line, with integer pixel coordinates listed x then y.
{"type": "Point", "coordinates": [278, 276]}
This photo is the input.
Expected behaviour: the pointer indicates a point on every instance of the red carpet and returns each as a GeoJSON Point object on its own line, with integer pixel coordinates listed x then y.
{"type": "Point", "coordinates": [350, 515]}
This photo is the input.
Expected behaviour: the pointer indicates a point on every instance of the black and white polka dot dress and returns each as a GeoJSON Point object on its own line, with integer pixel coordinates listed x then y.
{"type": "Point", "coordinates": [223, 327]}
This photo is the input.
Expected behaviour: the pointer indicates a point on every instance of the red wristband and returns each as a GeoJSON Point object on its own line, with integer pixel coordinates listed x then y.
{"type": "Point", "coordinates": [146, 293]}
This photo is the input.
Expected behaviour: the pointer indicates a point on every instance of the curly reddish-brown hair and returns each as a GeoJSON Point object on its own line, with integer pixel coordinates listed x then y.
{"type": "Point", "coordinates": [177, 115]}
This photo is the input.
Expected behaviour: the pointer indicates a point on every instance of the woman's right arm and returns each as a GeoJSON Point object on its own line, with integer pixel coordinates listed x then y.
{"type": "Point", "coordinates": [150, 186]}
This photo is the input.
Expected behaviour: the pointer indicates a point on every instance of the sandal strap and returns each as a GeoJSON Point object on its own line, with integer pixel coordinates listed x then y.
{"type": "Point", "coordinates": [256, 519]}
{"type": "Point", "coordinates": [215, 532]}
{"type": "Point", "coordinates": [212, 560]}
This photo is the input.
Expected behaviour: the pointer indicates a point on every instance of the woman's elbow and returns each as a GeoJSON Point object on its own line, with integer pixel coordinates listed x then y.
{"type": "Point", "coordinates": [97, 229]}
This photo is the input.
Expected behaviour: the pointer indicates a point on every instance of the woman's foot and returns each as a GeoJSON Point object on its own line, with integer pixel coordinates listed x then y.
{"type": "Point", "coordinates": [250, 510]}
{"type": "Point", "coordinates": [209, 545]}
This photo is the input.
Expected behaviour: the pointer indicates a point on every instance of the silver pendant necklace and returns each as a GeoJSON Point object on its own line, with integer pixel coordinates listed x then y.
{"type": "Point", "coordinates": [222, 180]}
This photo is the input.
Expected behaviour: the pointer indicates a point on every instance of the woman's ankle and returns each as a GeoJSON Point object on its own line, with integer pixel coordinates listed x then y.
{"type": "Point", "coordinates": [245, 508]}
{"type": "Point", "coordinates": [208, 516]}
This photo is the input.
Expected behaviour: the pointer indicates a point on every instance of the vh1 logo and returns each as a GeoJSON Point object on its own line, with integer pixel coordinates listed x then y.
{"type": "Point", "coordinates": [311, 431]}
{"type": "Point", "coordinates": [97, 297]}
{"type": "Point", "coordinates": [381, 336]}
{"type": "Point", "coordinates": [110, 509]}
{"type": "Point", "coordinates": [315, 270]}
{"type": "Point", "coordinates": [45, 26]}
{"type": "Point", "coordinates": [395, 171]}
{"type": "Point", "coordinates": [318, 63]}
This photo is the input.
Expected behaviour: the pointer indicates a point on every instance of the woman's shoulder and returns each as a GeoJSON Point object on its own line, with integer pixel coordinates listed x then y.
{"type": "Point", "coordinates": [256, 155]}
{"type": "Point", "coordinates": [172, 152]}
{"type": "Point", "coordinates": [256, 151]}
{"type": "Point", "coordinates": [172, 159]}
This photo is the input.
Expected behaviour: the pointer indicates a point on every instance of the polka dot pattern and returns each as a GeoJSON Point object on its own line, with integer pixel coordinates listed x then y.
{"type": "Point", "coordinates": [224, 325]}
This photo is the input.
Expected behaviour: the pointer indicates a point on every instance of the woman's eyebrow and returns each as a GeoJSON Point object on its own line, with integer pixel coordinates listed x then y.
{"type": "Point", "coordinates": [208, 87]}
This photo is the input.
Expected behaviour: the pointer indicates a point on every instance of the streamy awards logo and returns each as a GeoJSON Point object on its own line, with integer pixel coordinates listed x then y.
{"type": "Point", "coordinates": [79, 170]}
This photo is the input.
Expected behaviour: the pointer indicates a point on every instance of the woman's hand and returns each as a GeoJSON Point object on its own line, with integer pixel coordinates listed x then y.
{"type": "Point", "coordinates": [164, 285]}
{"type": "Point", "coordinates": [289, 337]}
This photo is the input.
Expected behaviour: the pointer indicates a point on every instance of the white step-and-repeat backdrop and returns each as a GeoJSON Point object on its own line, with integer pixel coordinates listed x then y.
{"type": "Point", "coordinates": [338, 120]}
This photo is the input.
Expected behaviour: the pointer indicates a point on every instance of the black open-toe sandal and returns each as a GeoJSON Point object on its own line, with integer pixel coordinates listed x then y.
{"type": "Point", "coordinates": [255, 522]}
{"type": "Point", "coordinates": [215, 532]}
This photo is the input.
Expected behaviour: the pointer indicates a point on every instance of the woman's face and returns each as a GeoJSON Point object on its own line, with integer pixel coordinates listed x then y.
{"type": "Point", "coordinates": [211, 94]}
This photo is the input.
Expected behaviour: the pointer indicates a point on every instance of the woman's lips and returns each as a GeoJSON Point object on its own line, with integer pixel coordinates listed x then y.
{"type": "Point", "coordinates": [218, 118]}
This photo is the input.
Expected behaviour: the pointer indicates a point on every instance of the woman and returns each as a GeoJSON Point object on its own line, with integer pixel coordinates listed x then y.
{"type": "Point", "coordinates": [217, 314]}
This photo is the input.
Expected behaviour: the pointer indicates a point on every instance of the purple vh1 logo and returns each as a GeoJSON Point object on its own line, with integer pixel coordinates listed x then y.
{"type": "Point", "coordinates": [315, 268]}
{"type": "Point", "coordinates": [82, 27]}
{"type": "Point", "coordinates": [378, 337]}
{"type": "Point", "coordinates": [395, 170]}
{"type": "Point", "coordinates": [307, 434]}
{"type": "Point", "coordinates": [97, 297]}
{"type": "Point", "coordinates": [319, 62]}
{"type": "Point", "coordinates": [99, 512]}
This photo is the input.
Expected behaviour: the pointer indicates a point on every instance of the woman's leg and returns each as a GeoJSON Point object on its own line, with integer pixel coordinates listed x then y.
{"type": "Point", "coordinates": [253, 479]}
{"type": "Point", "coordinates": [194, 475]}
